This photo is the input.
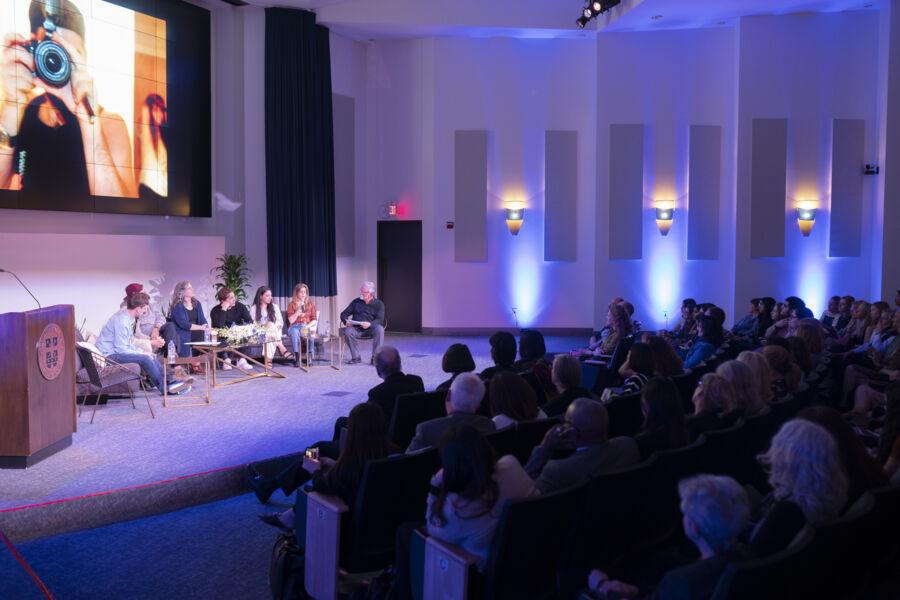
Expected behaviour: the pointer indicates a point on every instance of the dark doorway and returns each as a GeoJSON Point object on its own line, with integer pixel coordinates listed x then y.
{"type": "Point", "coordinates": [400, 274]}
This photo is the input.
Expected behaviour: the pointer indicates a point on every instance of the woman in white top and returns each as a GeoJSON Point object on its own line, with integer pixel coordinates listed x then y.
{"type": "Point", "coordinates": [264, 312]}
{"type": "Point", "coordinates": [512, 400]}
{"type": "Point", "coordinates": [469, 491]}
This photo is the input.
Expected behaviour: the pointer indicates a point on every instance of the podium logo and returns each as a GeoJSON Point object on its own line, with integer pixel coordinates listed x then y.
{"type": "Point", "coordinates": [51, 351]}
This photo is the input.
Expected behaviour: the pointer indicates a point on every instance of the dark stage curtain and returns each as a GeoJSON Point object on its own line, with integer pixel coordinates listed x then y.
{"type": "Point", "coordinates": [299, 154]}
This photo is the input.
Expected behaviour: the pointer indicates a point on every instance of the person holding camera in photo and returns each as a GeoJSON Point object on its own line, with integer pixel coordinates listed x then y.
{"type": "Point", "coordinates": [51, 126]}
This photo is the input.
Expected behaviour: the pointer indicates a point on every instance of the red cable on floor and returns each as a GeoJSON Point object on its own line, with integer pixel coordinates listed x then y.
{"type": "Point", "coordinates": [18, 556]}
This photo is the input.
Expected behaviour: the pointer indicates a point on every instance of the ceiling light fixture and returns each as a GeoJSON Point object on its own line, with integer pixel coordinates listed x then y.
{"type": "Point", "coordinates": [593, 9]}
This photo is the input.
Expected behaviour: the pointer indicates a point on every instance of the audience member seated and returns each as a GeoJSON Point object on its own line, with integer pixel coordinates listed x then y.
{"type": "Point", "coordinates": [597, 337]}
{"type": "Point", "coordinates": [226, 313]}
{"type": "Point", "coordinates": [585, 433]}
{"type": "Point", "coordinates": [875, 310]}
{"type": "Point", "coordinates": [830, 315]}
{"type": "Point", "coordinates": [715, 508]}
{"type": "Point", "coordinates": [879, 337]}
{"type": "Point", "coordinates": [855, 332]}
{"type": "Point", "coordinates": [712, 398]}
{"type": "Point", "coordinates": [664, 427]}
{"type": "Point", "coordinates": [809, 485]}
{"type": "Point", "coordinates": [762, 371]}
{"type": "Point", "coordinates": [266, 314]}
{"type": "Point", "coordinates": [513, 400]}
{"type": "Point", "coordinates": [709, 338]}
{"type": "Point", "coordinates": [301, 310]}
{"type": "Point", "coordinates": [566, 376]}
{"type": "Point", "coordinates": [620, 328]}
{"type": "Point", "coordinates": [363, 318]}
{"type": "Point", "coordinates": [745, 383]}
{"type": "Point", "coordinates": [686, 328]}
{"type": "Point", "coordinates": [780, 322]}
{"type": "Point", "coordinates": [666, 362]}
{"type": "Point", "coordinates": [635, 371]}
{"type": "Point", "coordinates": [863, 471]}
{"type": "Point", "coordinates": [367, 439]}
{"type": "Point", "coordinates": [786, 375]}
{"type": "Point", "coordinates": [810, 331]}
{"type": "Point", "coordinates": [503, 353]}
{"type": "Point", "coordinates": [764, 316]}
{"type": "Point", "coordinates": [457, 359]}
{"type": "Point", "coordinates": [389, 367]}
{"type": "Point", "coordinates": [187, 314]}
{"type": "Point", "coordinates": [464, 505]}
{"type": "Point", "coordinates": [748, 323]}
{"type": "Point", "coordinates": [150, 325]}
{"type": "Point", "coordinates": [532, 359]}
{"type": "Point", "coordinates": [629, 310]}
{"type": "Point", "coordinates": [889, 440]}
{"type": "Point", "coordinates": [885, 368]}
{"type": "Point", "coordinates": [800, 354]}
{"type": "Point", "coordinates": [116, 342]}
{"type": "Point", "coordinates": [845, 315]}
{"type": "Point", "coordinates": [463, 400]}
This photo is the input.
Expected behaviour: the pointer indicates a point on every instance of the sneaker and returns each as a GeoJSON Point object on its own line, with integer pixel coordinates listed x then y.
{"type": "Point", "coordinates": [243, 364]}
{"type": "Point", "coordinates": [354, 361]}
{"type": "Point", "coordinates": [226, 366]}
{"type": "Point", "coordinates": [176, 387]}
{"type": "Point", "coordinates": [274, 520]}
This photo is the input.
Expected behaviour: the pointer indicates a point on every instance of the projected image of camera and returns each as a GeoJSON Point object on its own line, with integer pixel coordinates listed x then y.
{"type": "Point", "coordinates": [52, 64]}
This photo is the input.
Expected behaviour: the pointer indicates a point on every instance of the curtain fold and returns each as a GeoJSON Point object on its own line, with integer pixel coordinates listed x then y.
{"type": "Point", "coordinates": [299, 154]}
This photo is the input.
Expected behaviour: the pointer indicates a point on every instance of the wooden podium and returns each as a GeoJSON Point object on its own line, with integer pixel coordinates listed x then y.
{"type": "Point", "coordinates": [37, 384]}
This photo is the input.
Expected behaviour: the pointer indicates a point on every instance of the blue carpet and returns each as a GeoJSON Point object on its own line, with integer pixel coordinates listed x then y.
{"type": "Point", "coordinates": [217, 550]}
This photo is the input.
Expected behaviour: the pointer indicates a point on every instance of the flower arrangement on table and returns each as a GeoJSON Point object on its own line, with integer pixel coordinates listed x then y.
{"type": "Point", "coordinates": [242, 335]}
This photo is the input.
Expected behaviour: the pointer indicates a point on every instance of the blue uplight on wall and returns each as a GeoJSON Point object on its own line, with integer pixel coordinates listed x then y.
{"type": "Point", "coordinates": [663, 280]}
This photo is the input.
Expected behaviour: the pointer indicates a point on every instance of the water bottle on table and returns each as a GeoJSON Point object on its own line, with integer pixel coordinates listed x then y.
{"type": "Point", "coordinates": [170, 352]}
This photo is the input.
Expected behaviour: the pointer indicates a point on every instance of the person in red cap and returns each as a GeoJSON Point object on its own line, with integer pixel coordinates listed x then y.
{"type": "Point", "coordinates": [147, 326]}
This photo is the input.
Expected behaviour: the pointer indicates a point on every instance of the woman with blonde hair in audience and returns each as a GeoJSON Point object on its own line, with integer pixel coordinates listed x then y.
{"type": "Point", "coordinates": [746, 387]}
{"type": "Point", "coordinates": [809, 485]}
{"type": "Point", "coordinates": [786, 374]}
{"type": "Point", "coordinates": [761, 370]}
{"type": "Point", "coordinates": [621, 325]}
{"type": "Point", "coordinates": [512, 400]}
{"type": "Point", "coordinates": [713, 401]}
{"type": "Point", "coordinates": [875, 310]}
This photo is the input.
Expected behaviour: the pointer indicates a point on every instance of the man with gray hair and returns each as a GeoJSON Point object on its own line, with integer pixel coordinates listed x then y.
{"type": "Point", "coordinates": [715, 508]}
{"type": "Point", "coordinates": [363, 319]}
{"type": "Point", "coordinates": [462, 403]}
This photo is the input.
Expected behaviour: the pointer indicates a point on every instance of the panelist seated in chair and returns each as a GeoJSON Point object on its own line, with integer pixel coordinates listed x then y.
{"type": "Point", "coordinates": [116, 342]}
{"type": "Point", "coordinates": [463, 401]}
{"type": "Point", "coordinates": [148, 326]}
{"type": "Point", "coordinates": [363, 319]}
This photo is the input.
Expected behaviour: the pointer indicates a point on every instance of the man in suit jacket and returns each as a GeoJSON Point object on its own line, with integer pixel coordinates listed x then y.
{"type": "Point", "coordinates": [462, 403]}
{"type": "Point", "coordinates": [585, 432]}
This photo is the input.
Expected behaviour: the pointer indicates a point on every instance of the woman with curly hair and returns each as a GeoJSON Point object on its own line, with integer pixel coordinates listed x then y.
{"type": "Point", "coordinates": [786, 375]}
{"type": "Point", "coordinates": [761, 370]}
{"type": "Point", "coordinates": [809, 485]}
{"type": "Point", "coordinates": [187, 314]}
{"type": "Point", "coordinates": [747, 399]}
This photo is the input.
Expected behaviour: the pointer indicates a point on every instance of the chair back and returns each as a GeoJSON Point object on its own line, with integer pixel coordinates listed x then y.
{"type": "Point", "coordinates": [784, 575]}
{"type": "Point", "coordinates": [722, 446]}
{"type": "Point", "coordinates": [392, 491]}
{"type": "Point", "coordinates": [625, 415]}
{"type": "Point", "coordinates": [503, 441]}
{"type": "Point", "coordinates": [412, 409]}
{"type": "Point", "coordinates": [87, 361]}
{"type": "Point", "coordinates": [529, 434]}
{"type": "Point", "coordinates": [530, 535]}
{"type": "Point", "coordinates": [686, 384]}
{"type": "Point", "coordinates": [535, 383]}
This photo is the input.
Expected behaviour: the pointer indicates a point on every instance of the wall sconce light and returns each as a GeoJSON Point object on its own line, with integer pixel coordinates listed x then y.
{"type": "Point", "coordinates": [515, 215]}
{"type": "Point", "coordinates": [665, 211]}
{"type": "Point", "coordinates": [806, 216]}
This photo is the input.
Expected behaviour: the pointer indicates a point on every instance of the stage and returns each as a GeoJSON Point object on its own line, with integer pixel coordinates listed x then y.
{"type": "Point", "coordinates": [250, 421]}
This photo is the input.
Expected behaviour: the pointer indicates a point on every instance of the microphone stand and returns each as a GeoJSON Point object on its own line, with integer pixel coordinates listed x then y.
{"type": "Point", "coordinates": [25, 287]}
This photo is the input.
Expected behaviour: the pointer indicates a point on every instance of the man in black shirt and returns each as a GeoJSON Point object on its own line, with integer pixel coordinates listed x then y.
{"type": "Point", "coordinates": [363, 319]}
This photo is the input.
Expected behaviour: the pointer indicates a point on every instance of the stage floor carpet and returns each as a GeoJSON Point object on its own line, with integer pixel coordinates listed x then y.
{"type": "Point", "coordinates": [246, 422]}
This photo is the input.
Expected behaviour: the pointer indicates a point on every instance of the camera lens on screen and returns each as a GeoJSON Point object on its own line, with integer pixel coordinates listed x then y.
{"type": "Point", "coordinates": [51, 63]}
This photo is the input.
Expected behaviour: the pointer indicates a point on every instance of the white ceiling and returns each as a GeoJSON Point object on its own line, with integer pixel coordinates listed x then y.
{"type": "Point", "coordinates": [539, 18]}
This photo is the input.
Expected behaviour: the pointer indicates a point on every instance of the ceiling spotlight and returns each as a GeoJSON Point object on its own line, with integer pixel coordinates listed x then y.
{"type": "Point", "coordinates": [587, 13]}
{"type": "Point", "coordinates": [597, 6]}
{"type": "Point", "coordinates": [581, 22]}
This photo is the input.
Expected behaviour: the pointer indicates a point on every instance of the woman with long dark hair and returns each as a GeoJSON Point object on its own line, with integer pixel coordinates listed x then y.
{"type": "Point", "coordinates": [512, 400]}
{"type": "Point", "coordinates": [666, 362]}
{"type": "Point", "coordinates": [457, 359]}
{"type": "Point", "coordinates": [664, 427]}
{"type": "Point", "coordinates": [265, 313]}
{"type": "Point", "coordinates": [709, 338]}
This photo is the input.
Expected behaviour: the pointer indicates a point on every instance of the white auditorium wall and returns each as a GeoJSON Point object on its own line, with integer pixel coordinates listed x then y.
{"type": "Point", "coordinates": [667, 81]}
{"type": "Point", "coordinates": [809, 69]}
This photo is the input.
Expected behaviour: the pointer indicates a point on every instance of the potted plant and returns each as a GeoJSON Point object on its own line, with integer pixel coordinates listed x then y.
{"type": "Point", "coordinates": [233, 273]}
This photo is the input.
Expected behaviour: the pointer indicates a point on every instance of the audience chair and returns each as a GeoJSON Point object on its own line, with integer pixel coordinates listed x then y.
{"type": "Point", "coordinates": [522, 562]}
{"type": "Point", "coordinates": [884, 576]}
{"type": "Point", "coordinates": [360, 538]}
{"type": "Point", "coordinates": [722, 446]}
{"type": "Point", "coordinates": [608, 376]}
{"type": "Point", "coordinates": [786, 575]}
{"type": "Point", "coordinates": [412, 409]}
{"type": "Point", "coordinates": [503, 440]}
{"type": "Point", "coordinates": [686, 384]}
{"type": "Point", "coordinates": [535, 384]}
{"type": "Point", "coordinates": [625, 414]}
{"type": "Point", "coordinates": [531, 433]}
{"type": "Point", "coordinates": [113, 374]}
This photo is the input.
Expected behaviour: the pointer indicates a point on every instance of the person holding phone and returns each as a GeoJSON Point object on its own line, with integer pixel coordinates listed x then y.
{"type": "Point", "coordinates": [585, 432]}
{"type": "Point", "coordinates": [52, 142]}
